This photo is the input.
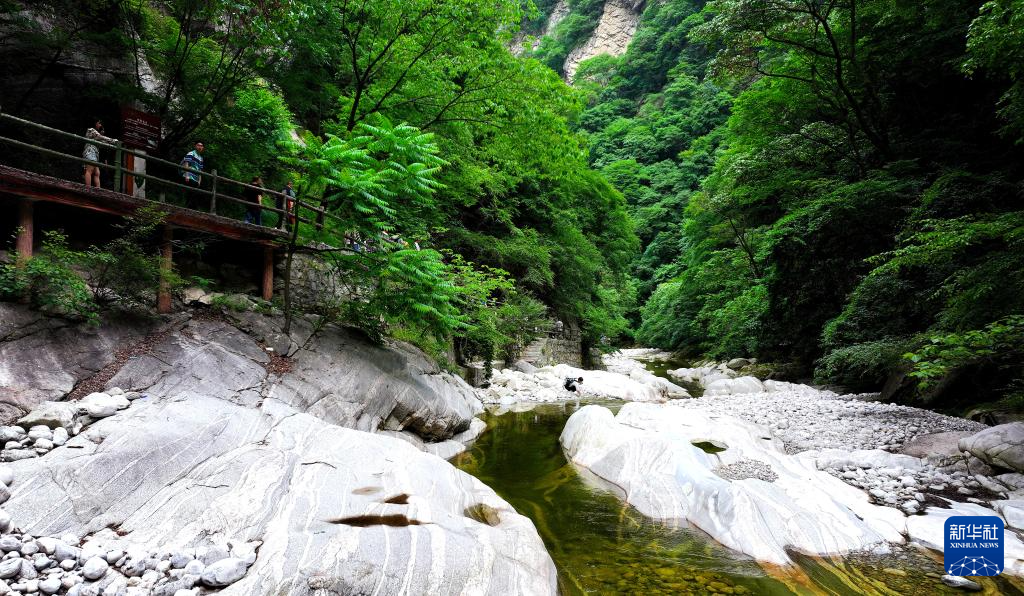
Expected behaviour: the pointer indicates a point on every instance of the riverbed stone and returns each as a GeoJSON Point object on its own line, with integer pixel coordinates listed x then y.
{"type": "Point", "coordinates": [1000, 446]}
{"type": "Point", "coordinates": [50, 586]}
{"type": "Point", "coordinates": [1012, 511]}
{"type": "Point", "coordinates": [10, 568]}
{"type": "Point", "coordinates": [734, 386]}
{"type": "Point", "coordinates": [94, 568]}
{"type": "Point", "coordinates": [647, 449]}
{"type": "Point", "coordinates": [60, 437]}
{"type": "Point", "coordinates": [955, 581]}
{"type": "Point", "coordinates": [224, 572]}
{"type": "Point", "coordinates": [53, 414]}
{"type": "Point", "coordinates": [102, 405]}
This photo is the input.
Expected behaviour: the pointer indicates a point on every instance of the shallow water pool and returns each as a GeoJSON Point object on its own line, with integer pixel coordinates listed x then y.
{"type": "Point", "coordinates": [602, 546]}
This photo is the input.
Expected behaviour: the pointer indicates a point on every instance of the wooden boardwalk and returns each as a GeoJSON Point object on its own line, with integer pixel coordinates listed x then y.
{"type": "Point", "coordinates": [26, 188]}
{"type": "Point", "coordinates": [21, 185]}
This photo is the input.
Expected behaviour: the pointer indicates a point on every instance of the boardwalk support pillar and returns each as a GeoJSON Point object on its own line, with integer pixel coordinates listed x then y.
{"type": "Point", "coordinates": [163, 298]}
{"type": "Point", "coordinates": [26, 226]}
{"type": "Point", "coordinates": [268, 273]}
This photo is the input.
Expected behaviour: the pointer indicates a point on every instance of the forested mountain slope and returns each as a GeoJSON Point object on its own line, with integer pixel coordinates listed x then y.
{"type": "Point", "coordinates": [487, 168]}
{"type": "Point", "coordinates": [831, 184]}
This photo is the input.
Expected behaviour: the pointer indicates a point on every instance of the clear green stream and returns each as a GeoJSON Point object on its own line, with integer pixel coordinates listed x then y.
{"type": "Point", "coordinates": [602, 546]}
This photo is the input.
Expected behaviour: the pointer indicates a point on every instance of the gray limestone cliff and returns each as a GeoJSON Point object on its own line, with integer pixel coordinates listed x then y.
{"type": "Point", "coordinates": [612, 36]}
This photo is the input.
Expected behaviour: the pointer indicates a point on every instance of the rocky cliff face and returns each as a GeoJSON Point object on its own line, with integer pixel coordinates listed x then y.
{"type": "Point", "coordinates": [559, 12]}
{"type": "Point", "coordinates": [614, 32]}
{"type": "Point", "coordinates": [336, 374]}
{"type": "Point", "coordinates": [245, 467]}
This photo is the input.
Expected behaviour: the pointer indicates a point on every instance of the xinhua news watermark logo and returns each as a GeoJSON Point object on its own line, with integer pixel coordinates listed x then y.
{"type": "Point", "coordinates": [974, 545]}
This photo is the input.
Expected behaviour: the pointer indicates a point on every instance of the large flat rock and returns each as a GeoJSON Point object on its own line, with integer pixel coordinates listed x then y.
{"type": "Point", "coordinates": [999, 446]}
{"type": "Point", "coordinates": [668, 462]}
{"type": "Point", "coordinates": [335, 509]}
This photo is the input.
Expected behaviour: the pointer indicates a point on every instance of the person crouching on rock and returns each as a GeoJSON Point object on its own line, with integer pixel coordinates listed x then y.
{"type": "Point", "coordinates": [571, 383]}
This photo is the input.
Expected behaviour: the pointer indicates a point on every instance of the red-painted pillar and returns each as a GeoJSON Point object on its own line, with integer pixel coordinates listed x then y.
{"type": "Point", "coordinates": [268, 273]}
{"type": "Point", "coordinates": [26, 226]}
{"type": "Point", "coordinates": [163, 298]}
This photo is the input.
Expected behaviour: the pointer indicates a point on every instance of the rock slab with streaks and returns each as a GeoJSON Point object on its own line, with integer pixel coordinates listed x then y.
{"type": "Point", "coordinates": [333, 508]}
{"type": "Point", "coordinates": [664, 459]}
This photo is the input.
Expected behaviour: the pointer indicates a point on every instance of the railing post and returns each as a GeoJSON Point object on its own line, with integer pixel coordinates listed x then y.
{"type": "Point", "coordinates": [118, 156]}
{"type": "Point", "coordinates": [213, 189]}
{"type": "Point", "coordinates": [26, 227]}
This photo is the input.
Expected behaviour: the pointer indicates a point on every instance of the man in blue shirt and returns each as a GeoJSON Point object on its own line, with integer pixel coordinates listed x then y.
{"type": "Point", "coordinates": [191, 169]}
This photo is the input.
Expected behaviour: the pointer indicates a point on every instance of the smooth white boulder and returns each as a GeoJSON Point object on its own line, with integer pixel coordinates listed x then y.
{"type": "Point", "coordinates": [648, 452]}
{"type": "Point", "coordinates": [1001, 446]}
{"type": "Point", "coordinates": [1012, 511]}
{"type": "Point", "coordinates": [102, 405]}
{"type": "Point", "coordinates": [703, 374]}
{"type": "Point", "coordinates": [623, 363]}
{"type": "Point", "coordinates": [734, 386]}
{"type": "Point", "coordinates": [54, 414]}
{"type": "Point", "coordinates": [863, 458]}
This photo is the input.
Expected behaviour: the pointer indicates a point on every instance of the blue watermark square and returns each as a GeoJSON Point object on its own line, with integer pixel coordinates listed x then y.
{"type": "Point", "coordinates": [974, 545]}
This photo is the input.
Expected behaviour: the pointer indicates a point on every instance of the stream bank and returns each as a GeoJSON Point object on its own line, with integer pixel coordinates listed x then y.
{"type": "Point", "coordinates": [602, 545]}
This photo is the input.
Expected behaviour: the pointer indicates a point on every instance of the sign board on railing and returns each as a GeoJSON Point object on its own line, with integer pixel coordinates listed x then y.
{"type": "Point", "coordinates": [140, 130]}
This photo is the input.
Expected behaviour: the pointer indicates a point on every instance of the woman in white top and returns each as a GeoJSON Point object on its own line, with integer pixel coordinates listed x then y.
{"type": "Point", "coordinates": [92, 153]}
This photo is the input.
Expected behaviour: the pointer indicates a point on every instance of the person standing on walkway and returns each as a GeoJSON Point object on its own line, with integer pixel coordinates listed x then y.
{"type": "Point", "coordinates": [287, 202]}
{"type": "Point", "coordinates": [92, 153]}
{"type": "Point", "coordinates": [191, 171]}
{"type": "Point", "coordinates": [254, 213]}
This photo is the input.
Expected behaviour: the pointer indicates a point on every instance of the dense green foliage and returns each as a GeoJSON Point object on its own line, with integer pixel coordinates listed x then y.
{"type": "Point", "coordinates": [49, 280]}
{"type": "Point", "coordinates": [504, 190]}
{"type": "Point", "coordinates": [830, 184]}
{"type": "Point", "coordinates": [836, 185]}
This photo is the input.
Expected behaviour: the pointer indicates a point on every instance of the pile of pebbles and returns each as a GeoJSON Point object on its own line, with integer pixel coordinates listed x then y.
{"type": "Point", "coordinates": [908, 489]}
{"type": "Point", "coordinates": [747, 468]}
{"type": "Point", "coordinates": [48, 565]}
{"type": "Point", "coordinates": [51, 424]}
{"type": "Point", "coordinates": [806, 418]}
{"type": "Point", "coordinates": [103, 564]}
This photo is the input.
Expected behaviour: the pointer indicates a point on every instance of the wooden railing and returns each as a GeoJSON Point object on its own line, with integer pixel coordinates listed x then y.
{"type": "Point", "coordinates": [300, 206]}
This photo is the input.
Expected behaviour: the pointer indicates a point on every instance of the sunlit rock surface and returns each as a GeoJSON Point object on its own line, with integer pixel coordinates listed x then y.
{"type": "Point", "coordinates": [1001, 446]}
{"type": "Point", "coordinates": [221, 441]}
{"type": "Point", "coordinates": [334, 508]}
{"type": "Point", "coordinates": [614, 31]}
{"type": "Point", "coordinates": [653, 453]}
{"type": "Point", "coordinates": [547, 384]}
{"type": "Point", "coordinates": [339, 376]}
{"type": "Point", "coordinates": [624, 362]}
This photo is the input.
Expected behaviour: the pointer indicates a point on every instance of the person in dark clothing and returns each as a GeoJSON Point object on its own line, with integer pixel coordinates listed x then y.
{"type": "Point", "coordinates": [254, 214]}
{"type": "Point", "coordinates": [571, 383]}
